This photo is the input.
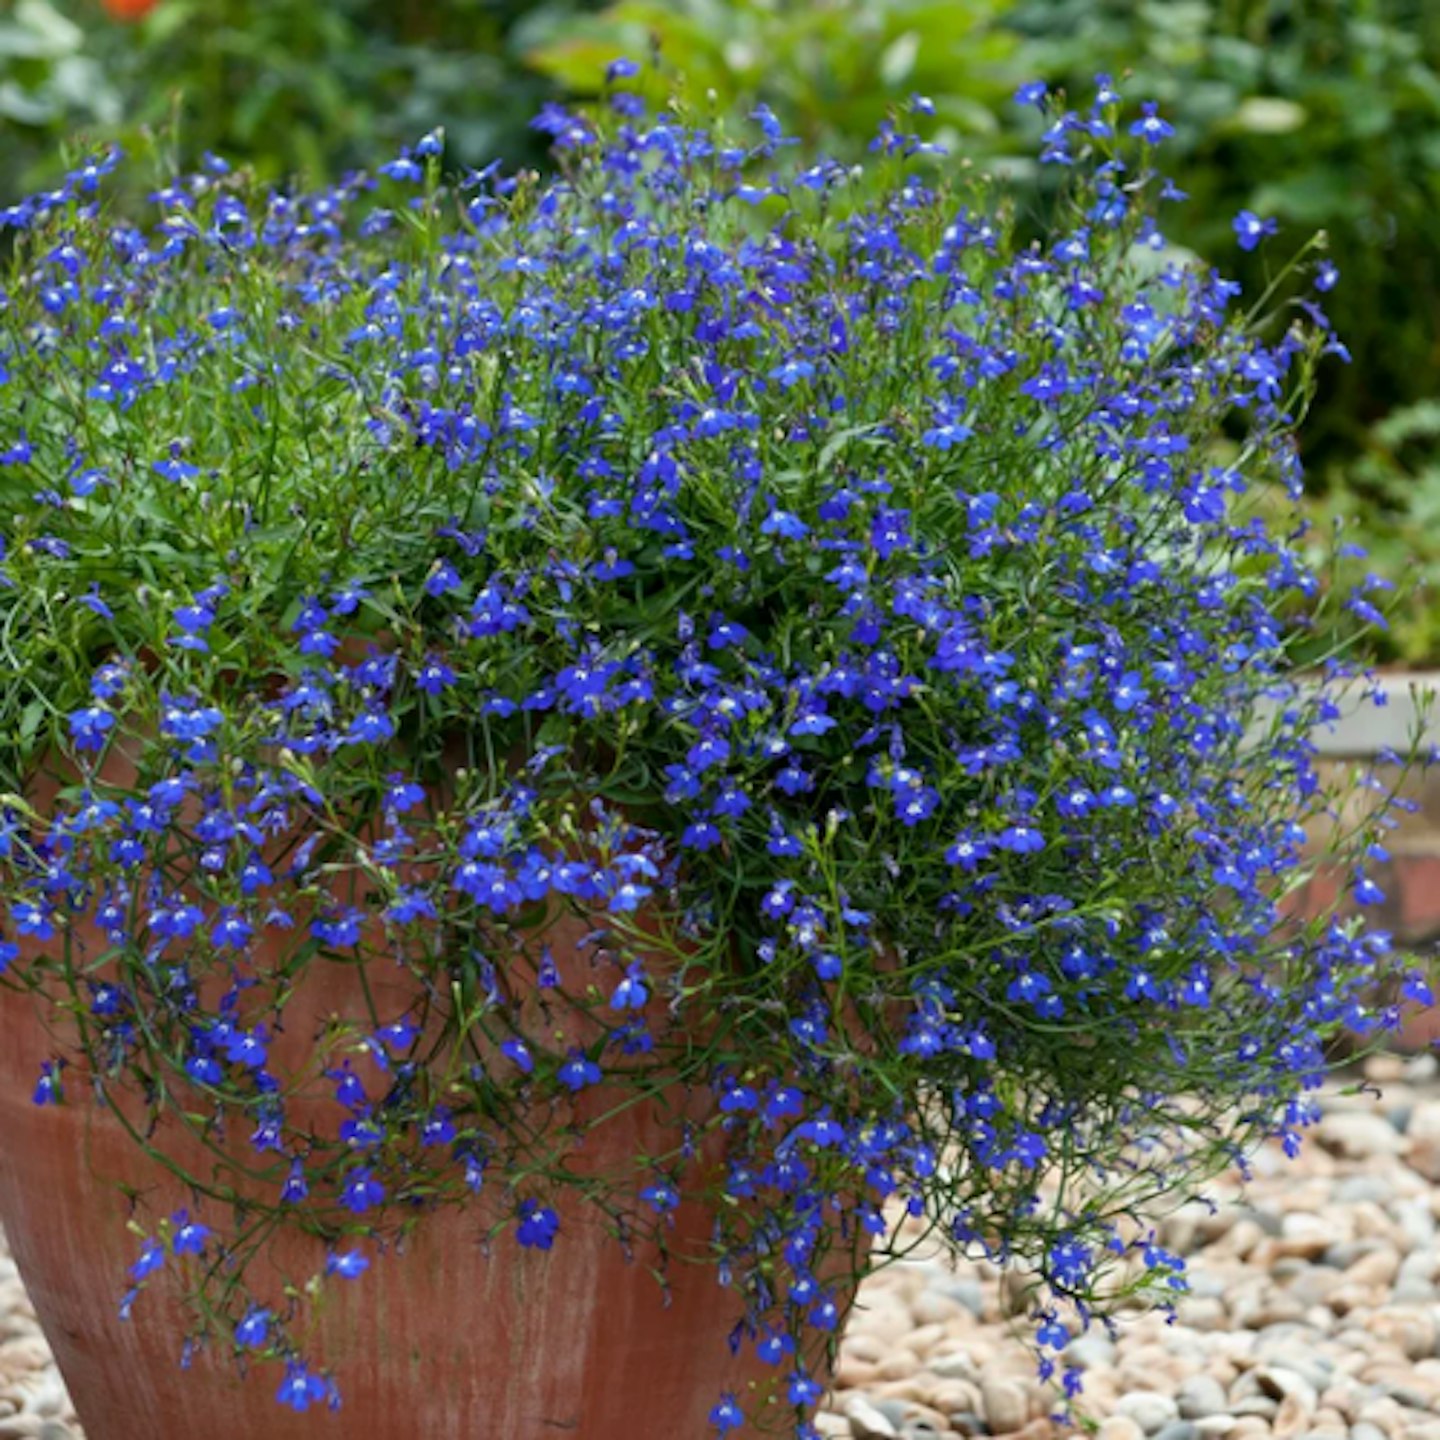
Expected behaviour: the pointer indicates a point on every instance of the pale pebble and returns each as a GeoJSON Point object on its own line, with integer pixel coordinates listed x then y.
{"type": "Point", "coordinates": [1150, 1409]}
{"type": "Point", "coordinates": [867, 1421]}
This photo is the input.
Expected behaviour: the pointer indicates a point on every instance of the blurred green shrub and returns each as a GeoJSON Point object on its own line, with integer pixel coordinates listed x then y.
{"type": "Point", "coordinates": [289, 86]}
{"type": "Point", "coordinates": [1387, 499]}
{"type": "Point", "coordinates": [1324, 114]}
{"type": "Point", "coordinates": [831, 69]}
{"type": "Point", "coordinates": [51, 81]}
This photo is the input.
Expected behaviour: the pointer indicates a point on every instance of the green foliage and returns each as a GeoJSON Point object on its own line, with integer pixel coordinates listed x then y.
{"type": "Point", "coordinates": [49, 82]}
{"type": "Point", "coordinates": [1326, 115]}
{"type": "Point", "coordinates": [1388, 500]}
{"type": "Point", "coordinates": [832, 70]}
{"type": "Point", "coordinates": [1322, 113]}
{"type": "Point", "coordinates": [287, 86]}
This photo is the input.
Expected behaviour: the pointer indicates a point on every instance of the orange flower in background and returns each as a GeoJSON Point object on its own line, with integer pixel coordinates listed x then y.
{"type": "Point", "coordinates": [128, 9]}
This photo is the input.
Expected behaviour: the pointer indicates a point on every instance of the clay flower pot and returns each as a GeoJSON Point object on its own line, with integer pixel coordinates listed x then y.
{"type": "Point", "coordinates": [445, 1337]}
{"type": "Point", "coordinates": [1419, 1029]}
{"type": "Point", "coordinates": [442, 1340]}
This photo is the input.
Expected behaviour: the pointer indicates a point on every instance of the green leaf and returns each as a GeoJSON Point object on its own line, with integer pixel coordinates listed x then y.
{"type": "Point", "coordinates": [1268, 115]}
{"type": "Point", "coordinates": [31, 719]}
{"type": "Point", "coordinates": [897, 63]}
{"type": "Point", "coordinates": [833, 447]}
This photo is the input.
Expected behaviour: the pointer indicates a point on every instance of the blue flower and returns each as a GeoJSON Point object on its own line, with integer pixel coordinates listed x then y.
{"type": "Point", "coordinates": [438, 1128]}
{"type": "Point", "coordinates": [434, 676]}
{"type": "Point", "coordinates": [538, 1225]}
{"type": "Point", "coordinates": [1020, 839]}
{"type": "Point", "coordinates": [917, 805]}
{"type": "Point", "coordinates": [737, 1098]}
{"type": "Point", "coordinates": [404, 169]}
{"type": "Point", "coordinates": [803, 1389]}
{"type": "Point", "coordinates": [362, 1191]}
{"type": "Point", "coordinates": [662, 1197]}
{"type": "Point", "coordinates": [727, 1414]}
{"type": "Point", "coordinates": [785, 525]}
{"type": "Point", "coordinates": [773, 1347]}
{"type": "Point", "coordinates": [1029, 1149]}
{"type": "Point", "coordinates": [1250, 229]}
{"type": "Point", "coordinates": [33, 918]}
{"type": "Point", "coordinates": [1366, 891]}
{"type": "Point", "coordinates": [48, 1089]}
{"type": "Point", "coordinates": [578, 1072]}
{"type": "Point", "coordinates": [519, 1052]}
{"type": "Point", "coordinates": [370, 727]}
{"type": "Point", "coordinates": [1416, 989]}
{"type": "Point", "coordinates": [632, 993]}
{"type": "Point", "coordinates": [349, 1265]}
{"type": "Point", "coordinates": [402, 795]}
{"type": "Point", "coordinates": [296, 1188]}
{"type": "Point", "coordinates": [301, 1388]}
{"type": "Point", "coordinates": [948, 435]}
{"type": "Point", "coordinates": [349, 1088]}
{"type": "Point", "coordinates": [89, 727]}
{"type": "Point", "coordinates": [411, 905]}
{"type": "Point", "coordinates": [1150, 127]}
{"type": "Point", "coordinates": [174, 469]}
{"type": "Point", "coordinates": [254, 1328]}
{"type": "Point", "coordinates": [189, 1236]}
{"type": "Point", "coordinates": [152, 1258]}
{"type": "Point", "coordinates": [192, 619]}
{"type": "Point", "coordinates": [442, 579]}
{"type": "Point", "coordinates": [248, 1047]}
{"type": "Point", "coordinates": [338, 931]}
{"type": "Point", "coordinates": [1070, 1261]}
{"type": "Point", "coordinates": [627, 897]}
{"type": "Point", "coordinates": [783, 1102]}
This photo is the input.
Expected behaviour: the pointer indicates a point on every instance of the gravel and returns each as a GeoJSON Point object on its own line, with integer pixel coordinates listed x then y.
{"type": "Point", "coordinates": [1314, 1313]}
{"type": "Point", "coordinates": [33, 1402]}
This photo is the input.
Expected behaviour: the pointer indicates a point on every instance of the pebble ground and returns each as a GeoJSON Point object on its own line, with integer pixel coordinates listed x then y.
{"type": "Point", "coordinates": [1314, 1313]}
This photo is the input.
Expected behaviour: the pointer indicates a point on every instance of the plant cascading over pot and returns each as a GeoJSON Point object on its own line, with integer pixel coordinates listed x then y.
{"type": "Point", "coordinates": [710, 641]}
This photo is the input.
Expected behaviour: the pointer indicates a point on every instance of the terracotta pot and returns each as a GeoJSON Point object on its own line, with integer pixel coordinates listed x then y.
{"type": "Point", "coordinates": [1419, 1029]}
{"type": "Point", "coordinates": [443, 1340]}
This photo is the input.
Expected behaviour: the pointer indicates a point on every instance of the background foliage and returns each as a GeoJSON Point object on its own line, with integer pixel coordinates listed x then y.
{"type": "Point", "coordinates": [1322, 113]}
{"type": "Point", "coordinates": [1326, 115]}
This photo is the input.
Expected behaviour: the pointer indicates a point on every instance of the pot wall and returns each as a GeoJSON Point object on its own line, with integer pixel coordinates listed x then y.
{"type": "Point", "coordinates": [441, 1341]}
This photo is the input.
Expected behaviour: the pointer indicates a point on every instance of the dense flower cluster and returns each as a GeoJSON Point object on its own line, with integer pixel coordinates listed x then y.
{"type": "Point", "coordinates": [712, 624]}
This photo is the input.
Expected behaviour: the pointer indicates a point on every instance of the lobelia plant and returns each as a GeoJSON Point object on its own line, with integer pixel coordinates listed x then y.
{"type": "Point", "coordinates": [714, 631]}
